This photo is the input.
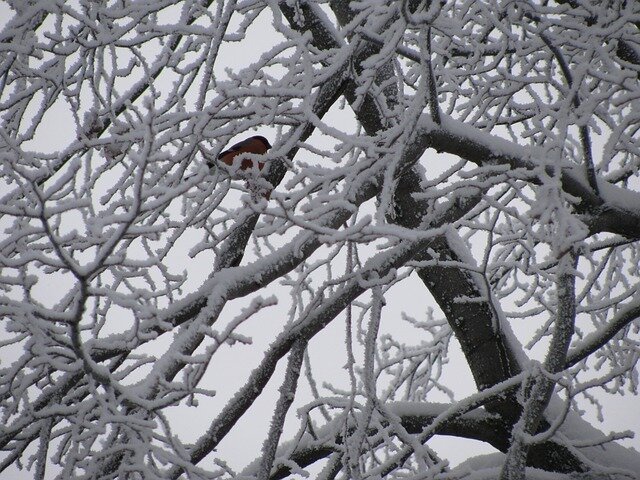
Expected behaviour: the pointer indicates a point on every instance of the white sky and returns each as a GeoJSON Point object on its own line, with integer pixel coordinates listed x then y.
{"type": "Point", "coordinates": [234, 364]}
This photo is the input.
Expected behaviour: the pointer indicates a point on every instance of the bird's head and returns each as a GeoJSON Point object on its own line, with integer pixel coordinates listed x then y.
{"type": "Point", "coordinates": [263, 140]}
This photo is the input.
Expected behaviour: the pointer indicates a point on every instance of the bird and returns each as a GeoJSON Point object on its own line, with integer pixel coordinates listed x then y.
{"type": "Point", "coordinates": [256, 144]}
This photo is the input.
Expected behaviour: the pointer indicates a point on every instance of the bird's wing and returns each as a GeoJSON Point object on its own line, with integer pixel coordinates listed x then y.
{"type": "Point", "coordinates": [235, 148]}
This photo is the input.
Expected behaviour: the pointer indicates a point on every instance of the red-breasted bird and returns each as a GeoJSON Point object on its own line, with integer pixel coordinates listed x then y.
{"type": "Point", "coordinates": [256, 144]}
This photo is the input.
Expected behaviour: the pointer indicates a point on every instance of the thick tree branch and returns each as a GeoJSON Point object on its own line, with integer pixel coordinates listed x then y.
{"type": "Point", "coordinates": [596, 340]}
{"type": "Point", "coordinates": [613, 210]}
{"type": "Point", "coordinates": [287, 392]}
{"type": "Point", "coordinates": [380, 266]}
{"type": "Point", "coordinates": [539, 389]}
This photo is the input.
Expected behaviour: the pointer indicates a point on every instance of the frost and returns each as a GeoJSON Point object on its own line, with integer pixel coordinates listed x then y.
{"type": "Point", "coordinates": [443, 241]}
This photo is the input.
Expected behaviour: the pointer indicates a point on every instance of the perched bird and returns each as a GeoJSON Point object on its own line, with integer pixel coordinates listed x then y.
{"type": "Point", "coordinates": [256, 144]}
